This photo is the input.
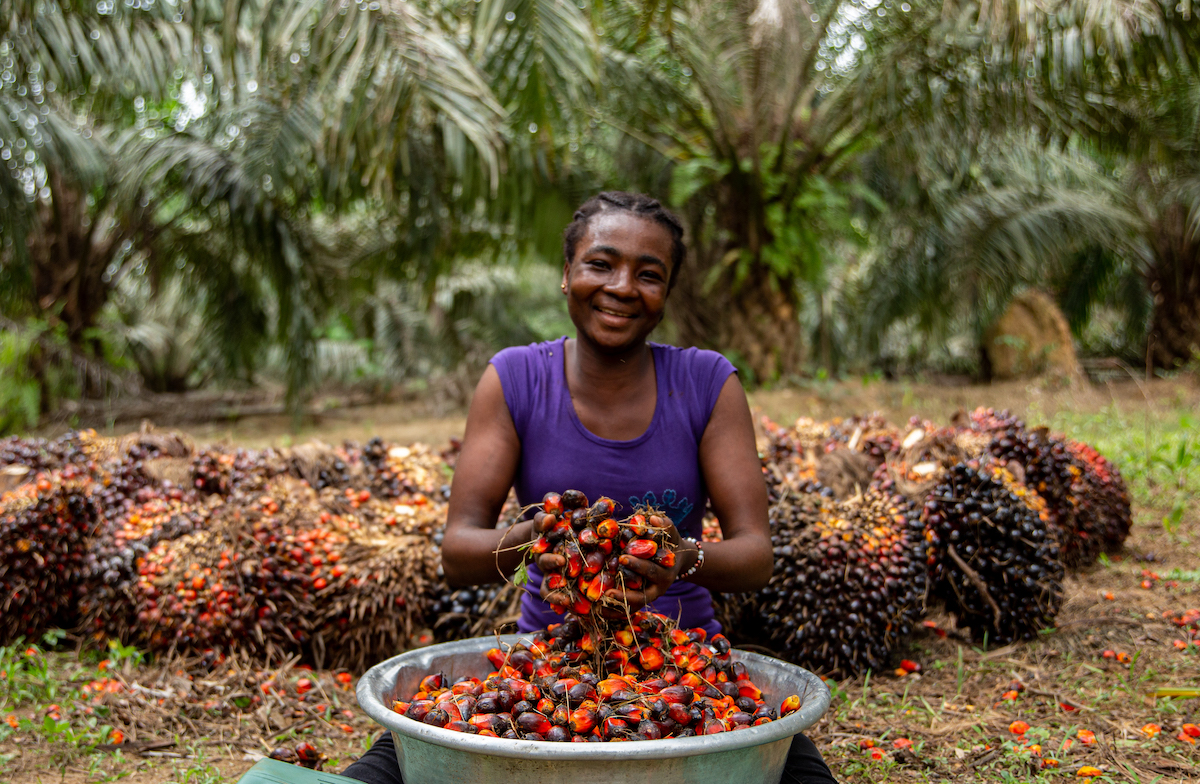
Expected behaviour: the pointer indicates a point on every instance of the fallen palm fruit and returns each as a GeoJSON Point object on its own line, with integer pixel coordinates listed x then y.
{"type": "Point", "coordinates": [546, 688]}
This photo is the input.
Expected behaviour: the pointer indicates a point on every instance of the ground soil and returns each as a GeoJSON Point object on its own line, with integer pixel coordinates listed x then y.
{"type": "Point", "coordinates": [954, 712]}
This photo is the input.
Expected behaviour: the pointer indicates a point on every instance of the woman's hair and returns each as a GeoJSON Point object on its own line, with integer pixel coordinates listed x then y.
{"type": "Point", "coordinates": [640, 205]}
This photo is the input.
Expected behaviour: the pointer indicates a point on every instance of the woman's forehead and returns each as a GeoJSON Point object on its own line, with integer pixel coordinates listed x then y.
{"type": "Point", "coordinates": [628, 234]}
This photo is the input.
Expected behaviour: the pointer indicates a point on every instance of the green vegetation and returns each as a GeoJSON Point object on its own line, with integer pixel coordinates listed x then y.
{"type": "Point", "coordinates": [213, 193]}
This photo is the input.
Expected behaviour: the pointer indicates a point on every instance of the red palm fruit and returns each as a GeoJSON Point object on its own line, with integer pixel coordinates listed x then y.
{"type": "Point", "coordinates": [581, 606]}
{"type": "Point", "coordinates": [521, 661]}
{"type": "Point", "coordinates": [558, 734]}
{"type": "Point", "coordinates": [532, 721]}
{"type": "Point", "coordinates": [508, 671]}
{"type": "Point", "coordinates": [679, 713]}
{"type": "Point", "coordinates": [604, 507]}
{"type": "Point", "coordinates": [556, 581]}
{"type": "Point", "coordinates": [587, 643]}
{"type": "Point", "coordinates": [614, 727]}
{"type": "Point", "coordinates": [583, 718]}
{"type": "Point", "coordinates": [652, 686]}
{"type": "Point", "coordinates": [790, 705]}
{"type": "Point", "coordinates": [641, 548]}
{"type": "Point", "coordinates": [698, 634]}
{"type": "Point", "coordinates": [590, 588]}
{"type": "Point", "coordinates": [649, 730]}
{"type": "Point", "coordinates": [670, 675]}
{"type": "Point", "coordinates": [432, 683]}
{"type": "Point", "coordinates": [650, 658]}
{"type": "Point", "coordinates": [552, 503]}
{"type": "Point", "coordinates": [608, 529]}
{"type": "Point", "coordinates": [436, 718]}
{"type": "Point", "coordinates": [747, 688]}
{"type": "Point", "coordinates": [451, 708]}
{"type": "Point", "coordinates": [594, 563]}
{"type": "Point", "coordinates": [399, 706]}
{"type": "Point", "coordinates": [558, 609]}
{"type": "Point", "coordinates": [678, 695]}
{"type": "Point", "coordinates": [587, 537]}
{"type": "Point", "coordinates": [545, 706]}
{"type": "Point", "coordinates": [713, 726]}
{"type": "Point", "coordinates": [538, 649]}
{"type": "Point", "coordinates": [693, 681]}
{"type": "Point", "coordinates": [680, 655]}
{"type": "Point", "coordinates": [606, 582]}
{"type": "Point", "coordinates": [761, 720]}
{"type": "Point", "coordinates": [665, 558]}
{"type": "Point", "coordinates": [631, 669]}
{"type": "Point", "coordinates": [530, 692]}
{"type": "Point", "coordinates": [462, 726]}
{"type": "Point", "coordinates": [485, 721]}
{"type": "Point", "coordinates": [470, 686]}
{"type": "Point", "coordinates": [721, 646]}
{"type": "Point", "coordinates": [540, 546]}
{"type": "Point", "coordinates": [573, 499]}
{"type": "Point", "coordinates": [739, 671]}
{"type": "Point", "coordinates": [738, 717]}
{"type": "Point", "coordinates": [615, 660]}
{"type": "Point", "coordinates": [637, 524]}
{"type": "Point", "coordinates": [698, 662]}
{"type": "Point", "coordinates": [624, 638]}
{"type": "Point", "coordinates": [560, 530]}
{"type": "Point", "coordinates": [582, 692]}
{"type": "Point", "coordinates": [605, 546]}
{"type": "Point", "coordinates": [559, 716]}
{"type": "Point", "coordinates": [709, 674]}
{"type": "Point", "coordinates": [678, 637]}
{"type": "Point", "coordinates": [579, 519]}
{"type": "Point", "coordinates": [574, 564]}
{"type": "Point", "coordinates": [633, 712]}
{"type": "Point", "coordinates": [611, 685]}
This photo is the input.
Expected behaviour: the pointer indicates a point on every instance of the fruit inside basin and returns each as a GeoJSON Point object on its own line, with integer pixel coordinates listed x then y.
{"type": "Point", "coordinates": [431, 755]}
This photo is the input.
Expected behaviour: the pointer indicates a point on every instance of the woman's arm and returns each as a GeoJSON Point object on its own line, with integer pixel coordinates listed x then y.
{"type": "Point", "coordinates": [486, 466]}
{"type": "Point", "coordinates": [743, 561]}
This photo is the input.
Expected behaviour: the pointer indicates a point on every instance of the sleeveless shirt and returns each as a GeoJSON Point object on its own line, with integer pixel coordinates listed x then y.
{"type": "Point", "coordinates": [660, 468]}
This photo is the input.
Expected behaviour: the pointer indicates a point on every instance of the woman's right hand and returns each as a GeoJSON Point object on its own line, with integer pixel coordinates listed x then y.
{"type": "Point", "coordinates": [548, 562]}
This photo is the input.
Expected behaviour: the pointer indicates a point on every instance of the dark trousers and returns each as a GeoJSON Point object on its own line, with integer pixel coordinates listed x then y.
{"type": "Point", "coordinates": [378, 766]}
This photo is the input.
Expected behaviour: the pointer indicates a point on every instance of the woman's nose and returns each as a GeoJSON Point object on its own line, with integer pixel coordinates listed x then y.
{"type": "Point", "coordinates": [621, 282]}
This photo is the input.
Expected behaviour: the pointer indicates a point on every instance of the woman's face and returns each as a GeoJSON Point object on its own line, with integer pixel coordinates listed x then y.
{"type": "Point", "coordinates": [617, 283]}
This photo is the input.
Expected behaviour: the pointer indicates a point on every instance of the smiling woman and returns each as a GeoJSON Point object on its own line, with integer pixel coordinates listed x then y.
{"type": "Point", "coordinates": [611, 414]}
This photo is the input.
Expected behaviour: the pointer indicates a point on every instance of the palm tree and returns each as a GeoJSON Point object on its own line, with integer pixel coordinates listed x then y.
{"type": "Point", "coordinates": [1105, 189]}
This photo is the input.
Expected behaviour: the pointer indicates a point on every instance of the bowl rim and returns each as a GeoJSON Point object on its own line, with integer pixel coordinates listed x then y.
{"type": "Point", "coordinates": [382, 678]}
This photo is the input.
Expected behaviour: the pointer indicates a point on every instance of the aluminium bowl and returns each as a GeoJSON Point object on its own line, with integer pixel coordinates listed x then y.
{"type": "Point", "coordinates": [432, 755]}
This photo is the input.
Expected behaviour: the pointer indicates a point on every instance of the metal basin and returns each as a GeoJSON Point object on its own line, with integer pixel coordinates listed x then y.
{"type": "Point", "coordinates": [432, 755]}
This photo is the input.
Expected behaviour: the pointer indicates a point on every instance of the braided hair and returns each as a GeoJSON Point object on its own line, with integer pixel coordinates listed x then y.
{"type": "Point", "coordinates": [640, 205]}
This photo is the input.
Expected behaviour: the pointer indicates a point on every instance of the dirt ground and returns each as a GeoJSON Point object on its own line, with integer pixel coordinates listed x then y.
{"type": "Point", "coordinates": [950, 722]}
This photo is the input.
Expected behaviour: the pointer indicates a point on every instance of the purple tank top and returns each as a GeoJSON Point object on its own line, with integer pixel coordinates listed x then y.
{"type": "Point", "coordinates": [661, 467]}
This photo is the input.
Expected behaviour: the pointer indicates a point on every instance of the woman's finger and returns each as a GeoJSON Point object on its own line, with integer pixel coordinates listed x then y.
{"type": "Point", "coordinates": [648, 569]}
{"type": "Point", "coordinates": [549, 562]}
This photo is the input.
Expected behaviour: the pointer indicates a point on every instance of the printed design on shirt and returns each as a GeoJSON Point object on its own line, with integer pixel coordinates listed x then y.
{"type": "Point", "coordinates": [676, 508]}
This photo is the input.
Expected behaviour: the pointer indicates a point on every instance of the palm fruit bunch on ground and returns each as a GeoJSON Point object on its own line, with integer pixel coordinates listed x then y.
{"type": "Point", "coordinates": [1046, 466]}
{"type": "Point", "coordinates": [667, 683]}
{"type": "Point", "coordinates": [591, 540]}
{"type": "Point", "coordinates": [994, 558]}
{"type": "Point", "coordinates": [872, 435]}
{"type": "Point", "coordinates": [44, 525]}
{"type": "Point", "coordinates": [1101, 495]}
{"type": "Point", "coordinates": [848, 585]}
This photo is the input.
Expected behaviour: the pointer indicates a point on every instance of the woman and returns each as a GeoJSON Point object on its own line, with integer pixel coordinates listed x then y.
{"type": "Point", "coordinates": [610, 413]}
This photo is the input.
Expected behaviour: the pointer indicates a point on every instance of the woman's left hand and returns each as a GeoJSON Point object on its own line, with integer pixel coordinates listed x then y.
{"type": "Point", "coordinates": [656, 579]}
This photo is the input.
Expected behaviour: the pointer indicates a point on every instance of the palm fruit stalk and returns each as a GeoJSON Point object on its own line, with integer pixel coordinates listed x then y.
{"type": "Point", "coordinates": [1046, 466]}
{"type": "Point", "coordinates": [1101, 495]}
{"type": "Point", "coordinates": [848, 585]}
{"type": "Point", "coordinates": [43, 526]}
{"type": "Point", "coordinates": [993, 556]}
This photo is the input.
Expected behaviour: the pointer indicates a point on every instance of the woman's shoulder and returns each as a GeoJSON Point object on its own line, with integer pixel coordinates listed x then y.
{"type": "Point", "coordinates": [694, 360]}
{"type": "Point", "coordinates": [528, 355]}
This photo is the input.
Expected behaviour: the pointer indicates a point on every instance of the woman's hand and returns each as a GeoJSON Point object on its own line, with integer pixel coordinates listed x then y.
{"type": "Point", "coordinates": [656, 579]}
{"type": "Point", "coordinates": [548, 562]}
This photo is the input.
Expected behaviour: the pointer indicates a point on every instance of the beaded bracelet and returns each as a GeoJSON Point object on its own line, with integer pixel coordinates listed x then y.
{"type": "Point", "coordinates": [699, 559]}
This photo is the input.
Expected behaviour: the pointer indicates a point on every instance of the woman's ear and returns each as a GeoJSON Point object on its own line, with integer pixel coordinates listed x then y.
{"type": "Point", "coordinates": [566, 276]}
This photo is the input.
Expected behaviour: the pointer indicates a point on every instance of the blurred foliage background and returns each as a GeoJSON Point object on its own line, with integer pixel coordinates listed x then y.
{"type": "Point", "coordinates": [371, 193]}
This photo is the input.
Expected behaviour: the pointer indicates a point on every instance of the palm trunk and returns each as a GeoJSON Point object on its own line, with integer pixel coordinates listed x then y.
{"type": "Point", "coordinates": [755, 321]}
{"type": "Point", "coordinates": [1174, 279]}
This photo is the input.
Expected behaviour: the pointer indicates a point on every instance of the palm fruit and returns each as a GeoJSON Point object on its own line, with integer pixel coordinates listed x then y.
{"type": "Point", "coordinates": [849, 582]}
{"type": "Point", "coordinates": [871, 435]}
{"type": "Point", "coordinates": [993, 557]}
{"type": "Point", "coordinates": [1047, 467]}
{"type": "Point", "coordinates": [582, 534]}
{"type": "Point", "coordinates": [1101, 495]}
{"type": "Point", "coordinates": [657, 681]}
{"type": "Point", "coordinates": [43, 527]}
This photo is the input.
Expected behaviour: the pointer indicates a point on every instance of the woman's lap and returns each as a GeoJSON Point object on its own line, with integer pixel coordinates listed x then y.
{"type": "Point", "coordinates": [378, 765]}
